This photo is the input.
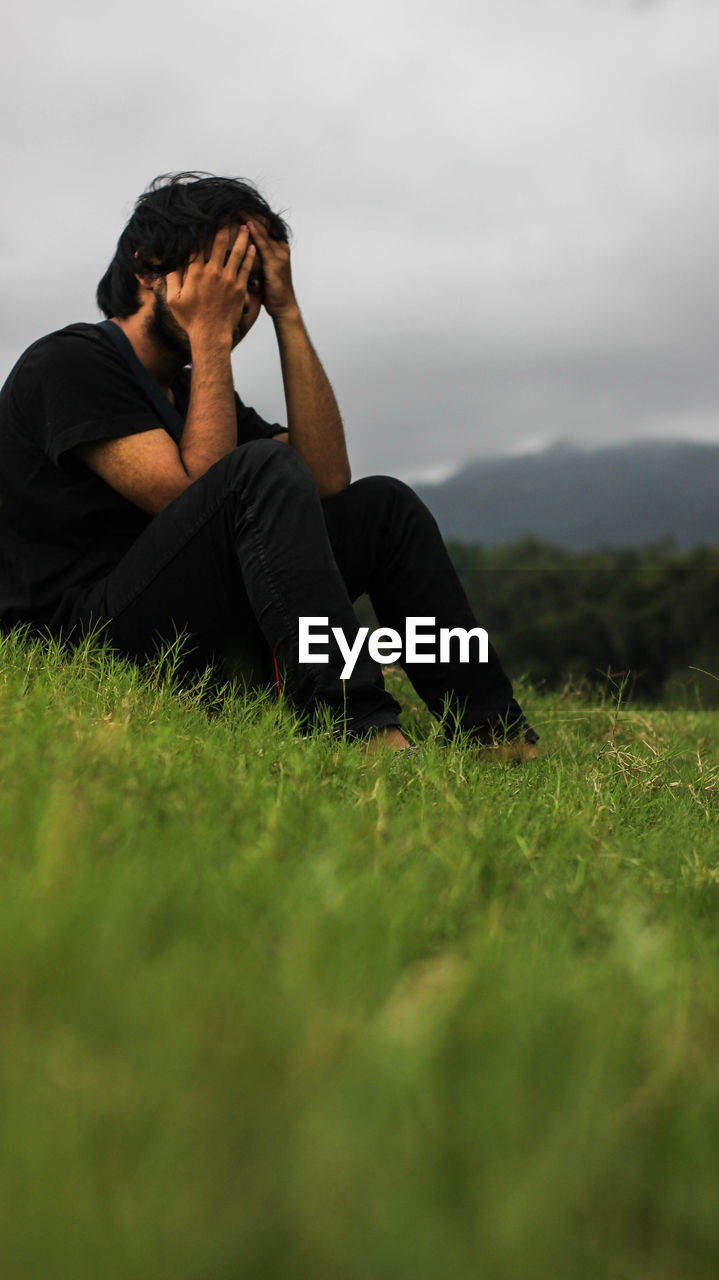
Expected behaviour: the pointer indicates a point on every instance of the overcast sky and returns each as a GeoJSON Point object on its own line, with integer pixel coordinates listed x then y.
{"type": "Point", "coordinates": [504, 211]}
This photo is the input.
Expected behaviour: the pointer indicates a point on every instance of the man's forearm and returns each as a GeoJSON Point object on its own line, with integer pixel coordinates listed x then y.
{"type": "Point", "coordinates": [313, 417]}
{"type": "Point", "coordinates": [208, 298]}
{"type": "Point", "coordinates": [210, 429]}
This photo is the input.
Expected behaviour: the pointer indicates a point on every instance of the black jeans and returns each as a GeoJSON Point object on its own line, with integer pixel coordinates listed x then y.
{"type": "Point", "coordinates": [249, 547]}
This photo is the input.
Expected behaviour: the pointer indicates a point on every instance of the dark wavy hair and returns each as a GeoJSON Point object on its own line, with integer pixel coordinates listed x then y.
{"type": "Point", "coordinates": [177, 214]}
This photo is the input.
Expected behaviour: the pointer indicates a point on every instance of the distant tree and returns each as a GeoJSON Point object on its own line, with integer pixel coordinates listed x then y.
{"type": "Point", "coordinates": [652, 614]}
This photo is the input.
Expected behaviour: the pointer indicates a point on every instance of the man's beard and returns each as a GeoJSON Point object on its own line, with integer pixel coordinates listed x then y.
{"type": "Point", "coordinates": [163, 327]}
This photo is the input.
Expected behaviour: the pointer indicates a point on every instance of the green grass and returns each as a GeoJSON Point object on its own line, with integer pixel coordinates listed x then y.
{"type": "Point", "coordinates": [272, 1007]}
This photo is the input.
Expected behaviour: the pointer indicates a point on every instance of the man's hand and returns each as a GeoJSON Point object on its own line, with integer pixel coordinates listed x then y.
{"type": "Point", "coordinates": [207, 297]}
{"type": "Point", "coordinates": [278, 292]}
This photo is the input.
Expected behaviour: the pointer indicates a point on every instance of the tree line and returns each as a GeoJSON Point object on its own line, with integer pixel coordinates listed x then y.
{"type": "Point", "coordinates": [643, 618]}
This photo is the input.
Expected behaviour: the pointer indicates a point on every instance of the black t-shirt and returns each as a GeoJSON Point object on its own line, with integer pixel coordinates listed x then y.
{"type": "Point", "coordinates": [61, 526]}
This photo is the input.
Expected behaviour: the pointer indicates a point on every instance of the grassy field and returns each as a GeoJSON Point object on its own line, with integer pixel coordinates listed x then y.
{"type": "Point", "coordinates": [277, 1008]}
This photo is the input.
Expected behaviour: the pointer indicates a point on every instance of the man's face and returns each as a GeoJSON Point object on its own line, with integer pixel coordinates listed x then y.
{"type": "Point", "coordinates": [164, 329]}
{"type": "Point", "coordinates": [253, 298]}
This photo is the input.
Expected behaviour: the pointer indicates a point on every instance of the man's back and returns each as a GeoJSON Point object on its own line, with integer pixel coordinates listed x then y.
{"type": "Point", "coordinates": [60, 525]}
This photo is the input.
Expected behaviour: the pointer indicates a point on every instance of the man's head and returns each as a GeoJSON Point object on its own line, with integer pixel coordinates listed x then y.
{"type": "Point", "coordinates": [177, 215]}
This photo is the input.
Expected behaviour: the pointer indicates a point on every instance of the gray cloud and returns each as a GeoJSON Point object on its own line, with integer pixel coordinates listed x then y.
{"type": "Point", "coordinates": [504, 215]}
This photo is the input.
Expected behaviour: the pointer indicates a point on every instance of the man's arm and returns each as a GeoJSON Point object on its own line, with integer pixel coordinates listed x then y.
{"type": "Point", "coordinates": [314, 424]}
{"type": "Point", "coordinates": [207, 300]}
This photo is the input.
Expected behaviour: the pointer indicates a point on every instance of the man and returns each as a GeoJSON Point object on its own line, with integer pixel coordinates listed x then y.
{"type": "Point", "coordinates": [138, 492]}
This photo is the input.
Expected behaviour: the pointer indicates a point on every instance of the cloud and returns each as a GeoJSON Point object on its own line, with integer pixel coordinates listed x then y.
{"type": "Point", "coordinates": [504, 215]}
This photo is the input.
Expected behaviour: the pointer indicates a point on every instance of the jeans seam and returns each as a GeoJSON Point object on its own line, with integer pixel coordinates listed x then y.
{"type": "Point", "coordinates": [251, 515]}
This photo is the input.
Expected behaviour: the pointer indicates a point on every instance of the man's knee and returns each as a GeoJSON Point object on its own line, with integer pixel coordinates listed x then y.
{"type": "Point", "coordinates": [268, 462]}
{"type": "Point", "coordinates": [391, 494]}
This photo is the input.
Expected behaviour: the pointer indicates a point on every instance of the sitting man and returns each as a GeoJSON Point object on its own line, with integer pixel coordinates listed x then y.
{"type": "Point", "coordinates": [138, 492]}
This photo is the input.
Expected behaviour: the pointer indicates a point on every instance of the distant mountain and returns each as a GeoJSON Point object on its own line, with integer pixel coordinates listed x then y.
{"type": "Point", "coordinates": [623, 496]}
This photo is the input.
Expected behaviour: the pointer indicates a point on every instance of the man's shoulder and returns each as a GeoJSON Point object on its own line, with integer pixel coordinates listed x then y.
{"type": "Point", "coordinates": [81, 336]}
{"type": "Point", "coordinates": [74, 348]}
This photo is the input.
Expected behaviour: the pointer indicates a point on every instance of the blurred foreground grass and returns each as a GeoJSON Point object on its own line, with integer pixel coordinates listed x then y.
{"type": "Point", "coordinates": [273, 1008]}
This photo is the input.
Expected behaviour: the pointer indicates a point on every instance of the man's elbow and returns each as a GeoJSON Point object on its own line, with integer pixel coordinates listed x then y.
{"type": "Point", "coordinates": [332, 485]}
